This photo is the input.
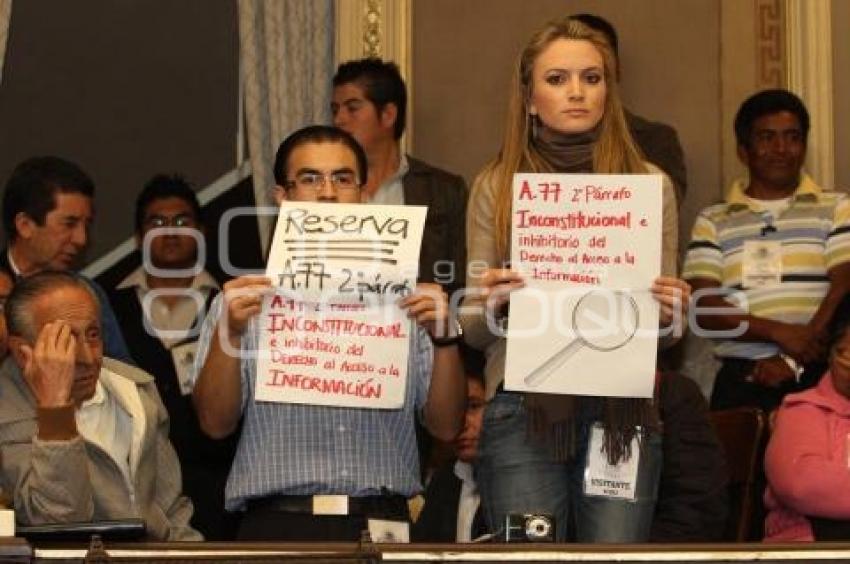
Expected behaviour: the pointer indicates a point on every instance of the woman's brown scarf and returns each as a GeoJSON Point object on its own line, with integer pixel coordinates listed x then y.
{"type": "Point", "coordinates": [553, 417]}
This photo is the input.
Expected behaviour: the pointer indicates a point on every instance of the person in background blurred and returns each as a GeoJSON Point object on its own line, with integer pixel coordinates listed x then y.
{"type": "Point", "coordinates": [6, 285]}
{"type": "Point", "coordinates": [452, 510]}
{"type": "Point", "coordinates": [48, 209]}
{"type": "Point", "coordinates": [658, 141]}
{"type": "Point", "coordinates": [370, 103]}
{"type": "Point", "coordinates": [808, 456]}
{"type": "Point", "coordinates": [162, 305]}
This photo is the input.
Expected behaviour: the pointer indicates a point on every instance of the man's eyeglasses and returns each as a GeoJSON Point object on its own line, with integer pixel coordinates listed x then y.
{"type": "Point", "coordinates": [312, 181]}
{"type": "Point", "coordinates": [182, 220]}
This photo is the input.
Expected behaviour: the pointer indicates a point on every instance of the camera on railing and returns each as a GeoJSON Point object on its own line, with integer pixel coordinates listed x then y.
{"type": "Point", "coordinates": [529, 527]}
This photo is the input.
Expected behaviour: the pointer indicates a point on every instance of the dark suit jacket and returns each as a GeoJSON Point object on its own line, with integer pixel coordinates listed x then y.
{"type": "Point", "coordinates": [692, 503]}
{"type": "Point", "coordinates": [660, 145]}
{"type": "Point", "coordinates": [444, 240]}
{"type": "Point", "coordinates": [438, 520]}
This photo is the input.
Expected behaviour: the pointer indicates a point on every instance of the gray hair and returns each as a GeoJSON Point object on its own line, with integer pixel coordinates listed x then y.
{"type": "Point", "coordinates": [18, 308]}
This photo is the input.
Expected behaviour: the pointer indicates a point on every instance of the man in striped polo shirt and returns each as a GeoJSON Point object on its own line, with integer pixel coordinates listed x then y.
{"type": "Point", "coordinates": [775, 255]}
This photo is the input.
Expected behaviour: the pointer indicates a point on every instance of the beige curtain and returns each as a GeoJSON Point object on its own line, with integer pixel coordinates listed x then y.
{"type": "Point", "coordinates": [5, 16]}
{"type": "Point", "coordinates": [286, 58]}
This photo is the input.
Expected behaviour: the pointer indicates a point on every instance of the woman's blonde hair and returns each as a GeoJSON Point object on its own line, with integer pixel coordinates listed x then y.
{"type": "Point", "coordinates": [614, 152]}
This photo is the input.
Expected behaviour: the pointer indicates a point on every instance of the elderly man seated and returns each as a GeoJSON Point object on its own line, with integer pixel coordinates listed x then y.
{"type": "Point", "coordinates": [82, 438]}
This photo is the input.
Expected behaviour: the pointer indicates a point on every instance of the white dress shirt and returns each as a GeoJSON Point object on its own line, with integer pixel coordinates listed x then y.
{"type": "Point", "coordinates": [114, 420]}
{"type": "Point", "coordinates": [468, 503]}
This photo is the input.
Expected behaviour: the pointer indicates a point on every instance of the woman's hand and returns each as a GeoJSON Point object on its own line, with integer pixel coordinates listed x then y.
{"type": "Point", "coordinates": [497, 285]}
{"type": "Point", "coordinates": [673, 295]}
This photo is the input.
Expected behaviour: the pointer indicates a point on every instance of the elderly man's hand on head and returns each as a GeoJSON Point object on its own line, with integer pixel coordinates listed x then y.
{"type": "Point", "coordinates": [49, 365]}
{"type": "Point", "coordinates": [55, 337]}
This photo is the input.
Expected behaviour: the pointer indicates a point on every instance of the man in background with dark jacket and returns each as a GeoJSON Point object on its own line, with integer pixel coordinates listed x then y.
{"type": "Point", "coordinates": [658, 141]}
{"type": "Point", "coordinates": [370, 103]}
{"type": "Point", "coordinates": [451, 511]}
{"type": "Point", "coordinates": [692, 495]}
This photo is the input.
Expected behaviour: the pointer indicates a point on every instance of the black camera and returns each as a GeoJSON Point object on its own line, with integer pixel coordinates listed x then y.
{"type": "Point", "coordinates": [529, 527]}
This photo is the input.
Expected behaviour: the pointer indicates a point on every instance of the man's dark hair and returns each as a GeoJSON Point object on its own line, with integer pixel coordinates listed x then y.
{"type": "Point", "coordinates": [164, 186]}
{"type": "Point", "coordinates": [33, 185]}
{"type": "Point", "coordinates": [765, 103]}
{"type": "Point", "coordinates": [382, 84]}
{"type": "Point", "coordinates": [601, 25]}
{"type": "Point", "coordinates": [317, 134]}
{"type": "Point", "coordinates": [18, 307]}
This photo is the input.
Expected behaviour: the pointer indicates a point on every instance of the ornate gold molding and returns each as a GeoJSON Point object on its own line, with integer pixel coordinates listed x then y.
{"type": "Point", "coordinates": [5, 16]}
{"type": "Point", "coordinates": [372, 34]}
{"type": "Point", "coordinates": [378, 28]}
{"type": "Point", "coordinates": [770, 44]}
{"type": "Point", "coordinates": [740, 54]}
{"type": "Point", "coordinates": [809, 75]}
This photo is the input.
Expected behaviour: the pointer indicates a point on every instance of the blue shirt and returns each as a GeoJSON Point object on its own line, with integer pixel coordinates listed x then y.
{"type": "Point", "coordinates": [294, 449]}
{"type": "Point", "coordinates": [114, 345]}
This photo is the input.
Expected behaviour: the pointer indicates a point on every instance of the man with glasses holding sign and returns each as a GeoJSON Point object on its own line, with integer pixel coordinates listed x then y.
{"type": "Point", "coordinates": [319, 457]}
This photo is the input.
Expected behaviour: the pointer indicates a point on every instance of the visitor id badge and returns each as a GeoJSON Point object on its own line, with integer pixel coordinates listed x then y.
{"type": "Point", "coordinates": [601, 479]}
{"type": "Point", "coordinates": [385, 531]}
{"type": "Point", "coordinates": [184, 361]}
{"type": "Point", "coordinates": [762, 264]}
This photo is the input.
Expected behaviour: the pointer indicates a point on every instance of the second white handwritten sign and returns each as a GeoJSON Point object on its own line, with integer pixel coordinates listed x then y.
{"type": "Point", "coordinates": [589, 248]}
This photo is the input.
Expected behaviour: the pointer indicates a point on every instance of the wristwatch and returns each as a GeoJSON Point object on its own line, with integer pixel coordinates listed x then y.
{"type": "Point", "coordinates": [454, 337]}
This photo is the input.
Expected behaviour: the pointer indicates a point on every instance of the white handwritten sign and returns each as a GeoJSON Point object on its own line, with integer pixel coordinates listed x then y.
{"type": "Point", "coordinates": [333, 333]}
{"type": "Point", "coordinates": [589, 248]}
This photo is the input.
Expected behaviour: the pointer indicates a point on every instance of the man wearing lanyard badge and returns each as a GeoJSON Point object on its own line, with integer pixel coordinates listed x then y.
{"type": "Point", "coordinates": [308, 472]}
{"type": "Point", "coordinates": [779, 248]}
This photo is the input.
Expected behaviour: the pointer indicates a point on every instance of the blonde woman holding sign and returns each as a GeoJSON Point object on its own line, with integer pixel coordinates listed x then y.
{"type": "Point", "coordinates": [564, 116]}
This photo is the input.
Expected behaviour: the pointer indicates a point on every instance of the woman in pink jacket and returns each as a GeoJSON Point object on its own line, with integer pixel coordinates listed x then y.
{"type": "Point", "coordinates": [808, 458]}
